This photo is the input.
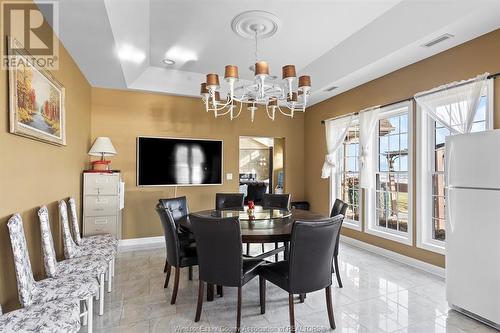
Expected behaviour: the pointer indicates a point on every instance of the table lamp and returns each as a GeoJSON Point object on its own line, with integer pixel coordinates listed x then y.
{"type": "Point", "coordinates": [102, 147]}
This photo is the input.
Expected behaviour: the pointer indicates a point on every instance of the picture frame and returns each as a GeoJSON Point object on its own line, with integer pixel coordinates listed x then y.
{"type": "Point", "coordinates": [36, 99]}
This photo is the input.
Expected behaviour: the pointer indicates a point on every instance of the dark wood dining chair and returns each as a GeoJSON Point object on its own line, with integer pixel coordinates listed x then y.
{"type": "Point", "coordinates": [276, 201]}
{"type": "Point", "coordinates": [308, 267]}
{"type": "Point", "coordinates": [229, 201]}
{"type": "Point", "coordinates": [220, 259]}
{"type": "Point", "coordinates": [180, 252]}
{"type": "Point", "coordinates": [339, 208]}
{"type": "Point", "coordinates": [179, 209]}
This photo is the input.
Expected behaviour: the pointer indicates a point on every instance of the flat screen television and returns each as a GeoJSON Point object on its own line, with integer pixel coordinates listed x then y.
{"type": "Point", "coordinates": [175, 161]}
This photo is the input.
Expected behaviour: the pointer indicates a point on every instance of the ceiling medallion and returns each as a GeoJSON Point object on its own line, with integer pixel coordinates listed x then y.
{"type": "Point", "coordinates": [287, 96]}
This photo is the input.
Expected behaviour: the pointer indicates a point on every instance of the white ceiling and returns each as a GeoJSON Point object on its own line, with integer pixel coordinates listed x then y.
{"type": "Point", "coordinates": [339, 43]}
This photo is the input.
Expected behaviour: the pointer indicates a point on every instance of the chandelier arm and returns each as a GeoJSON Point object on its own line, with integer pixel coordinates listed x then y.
{"type": "Point", "coordinates": [221, 114]}
{"type": "Point", "coordinates": [267, 111]}
{"type": "Point", "coordinates": [284, 113]}
{"type": "Point", "coordinates": [239, 112]}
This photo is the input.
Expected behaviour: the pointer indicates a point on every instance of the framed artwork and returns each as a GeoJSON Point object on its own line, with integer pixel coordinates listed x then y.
{"type": "Point", "coordinates": [36, 99]}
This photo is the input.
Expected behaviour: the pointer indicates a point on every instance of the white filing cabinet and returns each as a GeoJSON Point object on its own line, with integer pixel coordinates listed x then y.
{"type": "Point", "coordinates": [102, 204]}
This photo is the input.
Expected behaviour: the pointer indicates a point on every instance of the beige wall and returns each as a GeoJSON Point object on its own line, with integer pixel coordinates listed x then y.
{"type": "Point", "coordinates": [33, 173]}
{"type": "Point", "coordinates": [464, 61]}
{"type": "Point", "coordinates": [278, 158]}
{"type": "Point", "coordinates": [124, 115]}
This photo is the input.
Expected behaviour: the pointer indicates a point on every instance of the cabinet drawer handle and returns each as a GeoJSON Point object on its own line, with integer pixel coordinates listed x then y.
{"type": "Point", "coordinates": [101, 221]}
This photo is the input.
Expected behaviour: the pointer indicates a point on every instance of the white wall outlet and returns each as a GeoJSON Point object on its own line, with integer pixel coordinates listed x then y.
{"type": "Point", "coordinates": [229, 176]}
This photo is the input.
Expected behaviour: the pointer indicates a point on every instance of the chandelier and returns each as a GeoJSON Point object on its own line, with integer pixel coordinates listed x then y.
{"type": "Point", "coordinates": [286, 96]}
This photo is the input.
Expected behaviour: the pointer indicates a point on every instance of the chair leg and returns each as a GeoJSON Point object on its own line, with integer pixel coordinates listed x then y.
{"type": "Point", "coordinates": [210, 292]}
{"type": "Point", "coordinates": [285, 254]}
{"type": "Point", "coordinates": [238, 313]}
{"type": "Point", "coordinates": [329, 307]}
{"type": "Point", "coordinates": [262, 294]}
{"type": "Point", "coordinates": [220, 291]}
{"type": "Point", "coordinates": [248, 248]}
{"type": "Point", "coordinates": [176, 285]}
{"type": "Point", "coordinates": [337, 271]}
{"type": "Point", "coordinates": [190, 273]}
{"type": "Point", "coordinates": [110, 277]}
{"type": "Point", "coordinates": [292, 312]}
{"type": "Point", "coordinates": [167, 278]}
{"type": "Point", "coordinates": [101, 294]}
{"type": "Point", "coordinates": [84, 314]}
{"type": "Point", "coordinates": [276, 245]}
{"type": "Point", "coordinates": [166, 265]}
{"type": "Point", "coordinates": [200, 301]}
{"type": "Point", "coordinates": [90, 314]}
{"type": "Point", "coordinates": [302, 297]}
{"type": "Point", "coordinates": [263, 248]}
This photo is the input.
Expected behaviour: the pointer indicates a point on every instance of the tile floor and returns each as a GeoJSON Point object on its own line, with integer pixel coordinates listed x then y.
{"type": "Point", "coordinates": [379, 295]}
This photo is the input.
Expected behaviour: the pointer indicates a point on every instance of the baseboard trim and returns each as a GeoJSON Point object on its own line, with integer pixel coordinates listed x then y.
{"type": "Point", "coordinates": [144, 243]}
{"type": "Point", "coordinates": [422, 265]}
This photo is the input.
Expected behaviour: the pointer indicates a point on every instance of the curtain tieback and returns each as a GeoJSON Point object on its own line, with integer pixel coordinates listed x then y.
{"type": "Point", "coordinates": [364, 155]}
{"type": "Point", "coordinates": [330, 160]}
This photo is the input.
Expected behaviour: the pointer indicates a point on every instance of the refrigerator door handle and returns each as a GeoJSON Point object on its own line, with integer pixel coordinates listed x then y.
{"type": "Point", "coordinates": [448, 211]}
{"type": "Point", "coordinates": [448, 164]}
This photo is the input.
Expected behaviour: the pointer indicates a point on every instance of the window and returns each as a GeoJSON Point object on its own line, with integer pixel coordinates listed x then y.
{"type": "Point", "coordinates": [345, 183]}
{"type": "Point", "coordinates": [431, 201]}
{"type": "Point", "coordinates": [389, 203]}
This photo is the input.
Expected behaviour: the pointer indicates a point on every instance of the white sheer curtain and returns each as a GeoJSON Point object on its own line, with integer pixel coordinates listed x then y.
{"type": "Point", "coordinates": [336, 130]}
{"type": "Point", "coordinates": [367, 123]}
{"type": "Point", "coordinates": [453, 105]}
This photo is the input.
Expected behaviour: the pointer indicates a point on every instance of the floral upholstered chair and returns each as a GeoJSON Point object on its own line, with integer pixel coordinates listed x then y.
{"type": "Point", "coordinates": [104, 240]}
{"type": "Point", "coordinates": [72, 250]}
{"type": "Point", "coordinates": [89, 265]}
{"type": "Point", "coordinates": [75, 287]}
{"type": "Point", "coordinates": [51, 317]}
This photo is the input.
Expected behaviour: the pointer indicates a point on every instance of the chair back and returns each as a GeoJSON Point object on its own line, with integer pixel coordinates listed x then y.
{"type": "Point", "coordinates": [229, 201]}
{"type": "Point", "coordinates": [49, 253]}
{"type": "Point", "coordinates": [70, 247]}
{"type": "Point", "coordinates": [277, 201]}
{"type": "Point", "coordinates": [75, 227]}
{"type": "Point", "coordinates": [339, 208]}
{"type": "Point", "coordinates": [255, 191]}
{"type": "Point", "coordinates": [178, 207]}
{"type": "Point", "coordinates": [311, 254]}
{"type": "Point", "coordinates": [218, 241]}
{"type": "Point", "coordinates": [171, 237]}
{"type": "Point", "coordinates": [22, 264]}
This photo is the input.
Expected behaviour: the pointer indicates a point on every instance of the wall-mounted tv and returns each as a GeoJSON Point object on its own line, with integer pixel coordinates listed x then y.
{"type": "Point", "coordinates": [176, 161]}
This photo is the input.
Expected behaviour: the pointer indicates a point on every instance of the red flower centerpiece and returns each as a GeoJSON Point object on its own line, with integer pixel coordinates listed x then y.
{"type": "Point", "coordinates": [251, 207]}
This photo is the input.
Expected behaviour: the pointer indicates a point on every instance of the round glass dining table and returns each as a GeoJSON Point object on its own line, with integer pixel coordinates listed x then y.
{"type": "Point", "coordinates": [266, 226]}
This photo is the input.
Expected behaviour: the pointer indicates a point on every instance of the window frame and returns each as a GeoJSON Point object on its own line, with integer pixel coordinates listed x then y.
{"type": "Point", "coordinates": [425, 159]}
{"type": "Point", "coordinates": [334, 191]}
{"type": "Point", "coordinates": [371, 226]}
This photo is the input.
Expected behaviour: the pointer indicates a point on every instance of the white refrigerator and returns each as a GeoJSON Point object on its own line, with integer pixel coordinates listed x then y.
{"type": "Point", "coordinates": [473, 225]}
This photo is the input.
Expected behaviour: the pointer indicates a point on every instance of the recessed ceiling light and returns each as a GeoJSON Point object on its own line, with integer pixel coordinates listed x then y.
{"type": "Point", "coordinates": [181, 55]}
{"type": "Point", "coordinates": [168, 61]}
{"type": "Point", "coordinates": [130, 53]}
